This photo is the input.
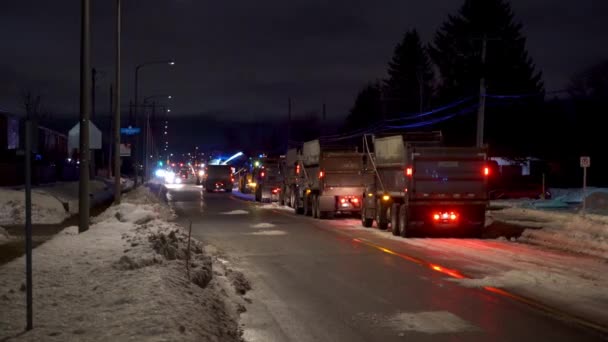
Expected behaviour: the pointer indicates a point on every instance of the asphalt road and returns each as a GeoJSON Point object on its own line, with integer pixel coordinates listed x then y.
{"type": "Point", "coordinates": [312, 281]}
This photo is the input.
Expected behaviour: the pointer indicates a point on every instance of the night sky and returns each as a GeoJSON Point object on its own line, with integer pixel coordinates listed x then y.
{"type": "Point", "coordinates": [242, 59]}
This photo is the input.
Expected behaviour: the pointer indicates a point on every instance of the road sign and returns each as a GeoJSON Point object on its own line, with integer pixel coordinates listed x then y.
{"type": "Point", "coordinates": [94, 137]}
{"type": "Point", "coordinates": [130, 130]}
{"type": "Point", "coordinates": [125, 150]}
{"type": "Point", "coordinates": [585, 161]}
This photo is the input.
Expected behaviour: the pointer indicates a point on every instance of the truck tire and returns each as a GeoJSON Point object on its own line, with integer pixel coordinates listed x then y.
{"type": "Point", "coordinates": [395, 226]}
{"type": "Point", "coordinates": [404, 222]}
{"type": "Point", "coordinates": [381, 215]}
{"type": "Point", "coordinates": [315, 206]}
{"type": "Point", "coordinates": [365, 221]}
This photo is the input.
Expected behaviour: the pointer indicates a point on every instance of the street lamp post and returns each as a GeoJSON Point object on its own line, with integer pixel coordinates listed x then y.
{"type": "Point", "coordinates": [137, 68]}
{"type": "Point", "coordinates": [117, 185]}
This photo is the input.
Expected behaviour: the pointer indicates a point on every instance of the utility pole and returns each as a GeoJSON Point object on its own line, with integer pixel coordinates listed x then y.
{"type": "Point", "coordinates": [117, 185]}
{"type": "Point", "coordinates": [288, 121]}
{"type": "Point", "coordinates": [482, 93]}
{"type": "Point", "coordinates": [85, 109]}
{"type": "Point", "coordinates": [93, 80]}
{"type": "Point", "coordinates": [111, 130]}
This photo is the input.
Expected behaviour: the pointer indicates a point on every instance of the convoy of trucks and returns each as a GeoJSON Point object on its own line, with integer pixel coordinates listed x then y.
{"type": "Point", "coordinates": [407, 182]}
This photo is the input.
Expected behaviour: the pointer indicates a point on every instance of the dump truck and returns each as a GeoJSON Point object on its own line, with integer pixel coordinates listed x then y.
{"type": "Point", "coordinates": [292, 179]}
{"type": "Point", "coordinates": [218, 177]}
{"type": "Point", "coordinates": [421, 187]}
{"type": "Point", "coordinates": [268, 179]}
{"type": "Point", "coordinates": [331, 180]}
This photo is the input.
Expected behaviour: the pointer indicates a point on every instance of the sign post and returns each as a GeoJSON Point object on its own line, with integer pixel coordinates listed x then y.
{"type": "Point", "coordinates": [28, 225]}
{"type": "Point", "coordinates": [585, 163]}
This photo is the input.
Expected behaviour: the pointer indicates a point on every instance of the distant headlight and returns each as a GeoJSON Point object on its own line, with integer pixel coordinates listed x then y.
{"type": "Point", "coordinates": [201, 173]}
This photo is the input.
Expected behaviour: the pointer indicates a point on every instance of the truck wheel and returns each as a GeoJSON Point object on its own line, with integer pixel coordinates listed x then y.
{"type": "Point", "coordinates": [365, 221]}
{"type": "Point", "coordinates": [404, 222]}
{"type": "Point", "coordinates": [395, 219]}
{"type": "Point", "coordinates": [381, 216]}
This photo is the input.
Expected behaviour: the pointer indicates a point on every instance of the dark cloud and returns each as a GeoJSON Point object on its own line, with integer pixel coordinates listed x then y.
{"type": "Point", "coordinates": [244, 58]}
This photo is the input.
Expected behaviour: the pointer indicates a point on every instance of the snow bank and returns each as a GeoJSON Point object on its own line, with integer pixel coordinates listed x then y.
{"type": "Point", "coordinates": [570, 232]}
{"type": "Point", "coordinates": [45, 208]}
{"type": "Point", "coordinates": [124, 279]}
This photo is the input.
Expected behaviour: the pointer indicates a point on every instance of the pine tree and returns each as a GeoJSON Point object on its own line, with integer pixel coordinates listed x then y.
{"type": "Point", "coordinates": [508, 69]}
{"type": "Point", "coordinates": [409, 86]}
{"type": "Point", "coordinates": [367, 108]}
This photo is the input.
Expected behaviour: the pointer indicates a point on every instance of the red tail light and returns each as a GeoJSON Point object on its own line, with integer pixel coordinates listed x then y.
{"type": "Point", "coordinates": [355, 200]}
{"type": "Point", "coordinates": [262, 174]}
{"type": "Point", "coordinates": [486, 171]}
{"type": "Point", "coordinates": [298, 169]}
{"type": "Point", "coordinates": [321, 174]}
{"type": "Point", "coordinates": [232, 179]}
{"type": "Point", "coordinates": [343, 200]}
{"type": "Point", "coordinates": [445, 216]}
{"type": "Point", "coordinates": [409, 171]}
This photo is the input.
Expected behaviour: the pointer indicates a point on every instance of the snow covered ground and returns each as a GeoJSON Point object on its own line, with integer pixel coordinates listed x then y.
{"type": "Point", "coordinates": [52, 203]}
{"type": "Point", "coordinates": [571, 232]}
{"type": "Point", "coordinates": [124, 279]}
{"type": "Point", "coordinates": [46, 208]}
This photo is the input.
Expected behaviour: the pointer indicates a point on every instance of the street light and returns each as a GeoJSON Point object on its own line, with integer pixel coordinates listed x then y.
{"type": "Point", "coordinates": [137, 68]}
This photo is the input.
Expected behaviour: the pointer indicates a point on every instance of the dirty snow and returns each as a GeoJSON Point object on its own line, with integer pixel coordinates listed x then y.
{"type": "Point", "coordinates": [263, 225]}
{"type": "Point", "coordinates": [236, 212]}
{"type": "Point", "coordinates": [270, 233]}
{"type": "Point", "coordinates": [124, 279]}
{"type": "Point", "coordinates": [431, 322]}
{"type": "Point", "coordinates": [275, 206]}
{"type": "Point", "coordinates": [571, 232]}
{"type": "Point", "coordinates": [4, 236]}
{"type": "Point", "coordinates": [45, 208]}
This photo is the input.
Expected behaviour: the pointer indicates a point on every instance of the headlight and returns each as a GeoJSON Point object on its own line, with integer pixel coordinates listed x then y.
{"type": "Point", "coordinates": [201, 173]}
{"type": "Point", "coordinates": [252, 185]}
{"type": "Point", "coordinates": [178, 180]}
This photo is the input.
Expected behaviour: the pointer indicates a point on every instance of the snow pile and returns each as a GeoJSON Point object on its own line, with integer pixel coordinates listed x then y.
{"type": "Point", "coordinates": [4, 236]}
{"type": "Point", "coordinates": [571, 232]}
{"type": "Point", "coordinates": [130, 277]}
{"type": "Point", "coordinates": [46, 208]}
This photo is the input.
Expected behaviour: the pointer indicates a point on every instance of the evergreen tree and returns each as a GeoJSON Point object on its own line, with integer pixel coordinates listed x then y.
{"type": "Point", "coordinates": [409, 86]}
{"type": "Point", "coordinates": [508, 69]}
{"type": "Point", "coordinates": [366, 110]}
